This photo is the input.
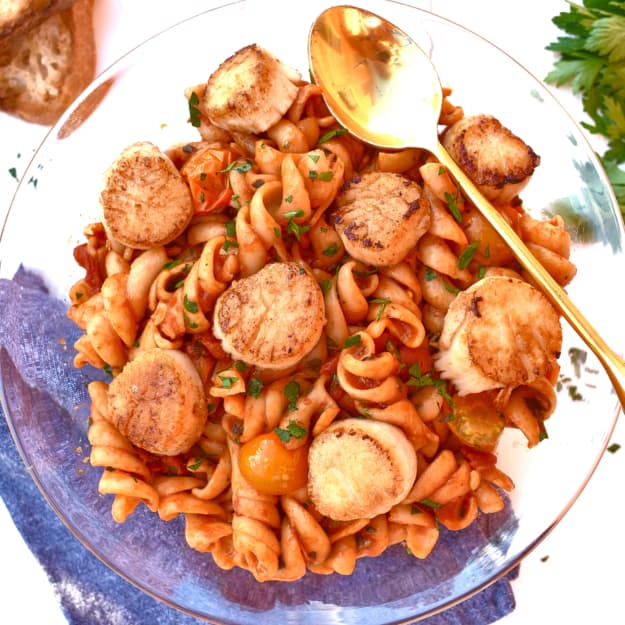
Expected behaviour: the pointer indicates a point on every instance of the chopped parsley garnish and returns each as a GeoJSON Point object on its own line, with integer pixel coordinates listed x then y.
{"type": "Point", "coordinates": [429, 503]}
{"type": "Point", "coordinates": [350, 341]}
{"type": "Point", "coordinates": [227, 381]}
{"type": "Point", "coordinates": [190, 305]}
{"type": "Point", "coordinates": [194, 112]}
{"type": "Point", "coordinates": [331, 250]}
{"type": "Point", "coordinates": [293, 429]}
{"type": "Point", "coordinates": [383, 304]}
{"type": "Point", "coordinates": [338, 132]}
{"type": "Point", "coordinates": [453, 206]}
{"type": "Point", "coordinates": [292, 391]}
{"type": "Point", "coordinates": [239, 166]}
{"type": "Point", "coordinates": [254, 387]}
{"type": "Point", "coordinates": [417, 378]}
{"type": "Point", "coordinates": [467, 255]}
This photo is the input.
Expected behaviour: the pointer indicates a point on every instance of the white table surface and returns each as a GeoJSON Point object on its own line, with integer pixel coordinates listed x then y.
{"type": "Point", "coordinates": [574, 575]}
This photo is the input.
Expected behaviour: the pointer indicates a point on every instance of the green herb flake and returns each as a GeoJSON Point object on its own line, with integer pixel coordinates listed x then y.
{"type": "Point", "coordinates": [230, 229]}
{"type": "Point", "coordinates": [467, 254]}
{"type": "Point", "coordinates": [331, 250]}
{"type": "Point", "coordinates": [351, 341]}
{"type": "Point", "coordinates": [419, 379]}
{"type": "Point", "coordinates": [240, 166]}
{"type": "Point", "coordinates": [194, 112]}
{"type": "Point", "coordinates": [453, 206]}
{"type": "Point", "coordinates": [297, 229]}
{"type": "Point", "coordinates": [383, 304]}
{"type": "Point", "coordinates": [294, 213]}
{"type": "Point", "coordinates": [190, 305]}
{"type": "Point", "coordinates": [613, 448]}
{"type": "Point", "coordinates": [254, 387]}
{"type": "Point", "coordinates": [338, 132]}
{"type": "Point", "coordinates": [292, 430]}
{"type": "Point", "coordinates": [227, 381]}
{"type": "Point", "coordinates": [292, 391]}
{"type": "Point", "coordinates": [430, 274]}
{"type": "Point", "coordinates": [229, 243]}
{"type": "Point", "coordinates": [429, 503]}
{"type": "Point", "coordinates": [195, 465]}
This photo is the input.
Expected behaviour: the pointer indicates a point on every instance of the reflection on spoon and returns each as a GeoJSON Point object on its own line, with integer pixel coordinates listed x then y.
{"type": "Point", "coordinates": [383, 88]}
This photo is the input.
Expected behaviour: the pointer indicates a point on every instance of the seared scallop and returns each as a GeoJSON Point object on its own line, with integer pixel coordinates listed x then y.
{"type": "Point", "coordinates": [145, 201]}
{"type": "Point", "coordinates": [250, 91]}
{"type": "Point", "coordinates": [380, 216]}
{"type": "Point", "coordinates": [272, 318]}
{"type": "Point", "coordinates": [500, 332]}
{"type": "Point", "coordinates": [359, 468]}
{"type": "Point", "coordinates": [158, 402]}
{"type": "Point", "coordinates": [497, 161]}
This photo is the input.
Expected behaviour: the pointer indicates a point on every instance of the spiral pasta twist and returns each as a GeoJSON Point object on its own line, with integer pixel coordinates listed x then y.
{"type": "Point", "coordinates": [270, 198]}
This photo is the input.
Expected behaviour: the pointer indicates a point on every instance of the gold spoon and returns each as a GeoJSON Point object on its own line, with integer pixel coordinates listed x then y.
{"type": "Point", "coordinates": [383, 88]}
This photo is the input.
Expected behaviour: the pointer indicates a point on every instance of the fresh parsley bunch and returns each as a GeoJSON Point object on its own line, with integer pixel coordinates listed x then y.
{"type": "Point", "coordinates": [592, 63]}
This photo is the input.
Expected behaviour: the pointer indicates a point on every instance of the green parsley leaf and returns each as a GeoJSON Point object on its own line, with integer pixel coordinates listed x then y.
{"type": "Point", "coordinates": [292, 390]}
{"type": "Point", "coordinates": [350, 341]}
{"type": "Point", "coordinates": [239, 166]}
{"type": "Point", "coordinates": [227, 381]}
{"type": "Point", "coordinates": [194, 112]}
{"type": "Point", "coordinates": [452, 204]}
{"type": "Point", "coordinates": [467, 255]}
{"type": "Point", "coordinates": [429, 503]}
{"type": "Point", "coordinates": [254, 387]}
{"type": "Point", "coordinates": [293, 429]}
{"type": "Point", "coordinates": [331, 250]}
{"type": "Point", "coordinates": [383, 304]}
{"type": "Point", "coordinates": [338, 132]}
{"type": "Point", "coordinates": [294, 213]}
{"type": "Point", "coordinates": [591, 62]}
{"type": "Point", "coordinates": [189, 305]}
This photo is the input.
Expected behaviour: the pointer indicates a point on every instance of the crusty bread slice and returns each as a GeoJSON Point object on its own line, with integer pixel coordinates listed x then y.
{"type": "Point", "coordinates": [19, 16]}
{"type": "Point", "coordinates": [49, 65]}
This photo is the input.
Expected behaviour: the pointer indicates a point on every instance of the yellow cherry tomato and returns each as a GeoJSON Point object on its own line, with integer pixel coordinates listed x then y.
{"type": "Point", "coordinates": [270, 467]}
{"type": "Point", "coordinates": [475, 421]}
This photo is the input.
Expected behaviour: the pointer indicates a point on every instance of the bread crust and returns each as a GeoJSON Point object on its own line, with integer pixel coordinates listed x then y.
{"type": "Point", "coordinates": [18, 17]}
{"type": "Point", "coordinates": [64, 44]}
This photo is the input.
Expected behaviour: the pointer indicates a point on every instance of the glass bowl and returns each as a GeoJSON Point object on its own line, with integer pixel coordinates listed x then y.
{"type": "Point", "coordinates": [141, 98]}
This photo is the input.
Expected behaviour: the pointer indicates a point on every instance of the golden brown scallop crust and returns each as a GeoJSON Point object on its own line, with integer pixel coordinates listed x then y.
{"type": "Point", "coordinates": [250, 91]}
{"type": "Point", "coordinates": [380, 216]}
{"type": "Point", "coordinates": [500, 332]}
{"type": "Point", "coordinates": [497, 160]}
{"type": "Point", "coordinates": [158, 402]}
{"type": "Point", "coordinates": [145, 201]}
{"type": "Point", "coordinates": [272, 318]}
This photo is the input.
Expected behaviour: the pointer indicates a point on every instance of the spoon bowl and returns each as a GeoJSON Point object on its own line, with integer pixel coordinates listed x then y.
{"type": "Point", "coordinates": [381, 85]}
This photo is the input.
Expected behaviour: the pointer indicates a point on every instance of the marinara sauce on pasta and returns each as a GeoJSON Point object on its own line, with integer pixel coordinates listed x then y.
{"type": "Point", "coordinates": [314, 346]}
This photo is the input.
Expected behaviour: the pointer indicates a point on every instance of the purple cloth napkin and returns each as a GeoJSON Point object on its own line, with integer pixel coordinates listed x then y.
{"type": "Point", "coordinates": [89, 592]}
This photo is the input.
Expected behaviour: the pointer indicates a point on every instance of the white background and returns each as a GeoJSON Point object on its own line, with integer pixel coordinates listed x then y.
{"type": "Point", "coordinates": [574, 575]}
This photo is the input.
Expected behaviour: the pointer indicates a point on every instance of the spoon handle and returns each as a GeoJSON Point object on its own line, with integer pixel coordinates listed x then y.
{"type": "Point", "coordinates": [612, 363]}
